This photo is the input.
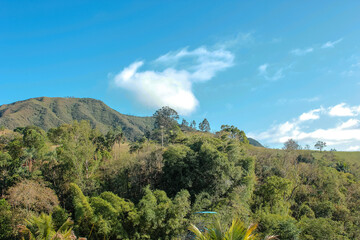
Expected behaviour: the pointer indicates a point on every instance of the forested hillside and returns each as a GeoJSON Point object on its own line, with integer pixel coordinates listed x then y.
{"type": "Point", "coordinates": [74, 180]}
{"type": "Point", "coordinates": [46, 113]}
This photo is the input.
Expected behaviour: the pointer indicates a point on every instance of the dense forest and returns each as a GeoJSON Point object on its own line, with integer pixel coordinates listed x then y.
{"type": "Point", "coordinates": [74, 182]}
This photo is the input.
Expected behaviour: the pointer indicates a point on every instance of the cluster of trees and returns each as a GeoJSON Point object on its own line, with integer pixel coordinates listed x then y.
{"type": "Point", "coordinates": [74, 181]}
{"type": "Point", "coordinates": [291, 144]}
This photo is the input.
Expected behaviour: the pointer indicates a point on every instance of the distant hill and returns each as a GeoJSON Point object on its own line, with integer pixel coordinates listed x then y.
{"type": "Point", "coordinates": [46, 112]}
{"type": "Point", "coordinates": [254, 142]}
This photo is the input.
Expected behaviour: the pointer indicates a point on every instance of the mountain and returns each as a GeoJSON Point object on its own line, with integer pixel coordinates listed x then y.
{"type": "Point", "coordinates": [46, 112]}
{"type": "Point", "coordinates": [255, 142]}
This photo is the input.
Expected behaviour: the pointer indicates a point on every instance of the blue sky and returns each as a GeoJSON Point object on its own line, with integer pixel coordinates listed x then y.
{"type": "Point", "coordinates": [276, 69]}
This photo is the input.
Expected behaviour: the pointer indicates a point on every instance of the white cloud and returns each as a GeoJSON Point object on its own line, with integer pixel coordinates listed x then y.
{"type": "Point", "coordinates": [342, 110]}
{"type": "Point", "coordinates": [301, 52]}
{"type": "Point", "coordinates": [340, 135]}
{"type": "Point", "coordinates": [353, 148]}
{"type": "Point", "coordinates": [206, 63]}
{"type": "Point", "coordinates": [350, 124]}
{"type": "Point", "coordinates": [172, 86]}
{"type": "Point", "coordinates": [311, 115]}
{"type": "Point", "coordinates": [262, 68]}
{"type": "Point", "coordinates": [263, 71]}
{"type": "Point", "coordinates": [330, 44]}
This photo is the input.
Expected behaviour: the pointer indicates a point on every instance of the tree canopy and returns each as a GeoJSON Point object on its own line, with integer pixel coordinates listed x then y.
{"type": "Point", "coordinates": [76, 181]}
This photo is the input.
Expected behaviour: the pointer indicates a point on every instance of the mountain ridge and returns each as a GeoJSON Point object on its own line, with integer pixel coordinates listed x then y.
{"type": "Point", "coordinates": [50, 112]}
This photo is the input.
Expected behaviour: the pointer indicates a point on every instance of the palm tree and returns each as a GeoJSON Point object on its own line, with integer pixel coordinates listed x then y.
{"type": "Point", "coordinates": [42, 228]}
{"type": "Point", "coordinates": [237, 231]}
{"type": "Point", "coordinates": [29, 158]}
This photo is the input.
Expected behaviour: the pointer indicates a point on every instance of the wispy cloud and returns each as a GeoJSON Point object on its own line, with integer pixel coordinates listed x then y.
{"type": "Point", "coordinates": [343, 134]}
{"type": "Point", "coordinates": [239, 40]}
{"type": "Point", "coordinates": [353, 70]}
{"type": "Point", "coordinates": [297, 100]}
{"type": "Point", "coordinates": [276, 40]}
{"type": "Point", "coordinates": [301, 52]}
{"type": "Point", "coordinates": [331, 44]}
{"type": "Point", "coordinates": [172, 84]}
{"type": "Point", "coordinates": [263, 68]}
{"type": "Point", "coordinates": [201, 64]}
{"type": "Point", "coordinates": [353, 148]}
{"type": "Point", "coordinates": [263, 71]}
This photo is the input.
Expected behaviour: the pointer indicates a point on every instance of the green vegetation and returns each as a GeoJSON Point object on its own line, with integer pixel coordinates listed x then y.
{"type": "Point", "coordinates": [237, 231]}
{"type": "Point", "coordinates": [47, 113]}
{"type": "Point", "coordinates": [75, 180]}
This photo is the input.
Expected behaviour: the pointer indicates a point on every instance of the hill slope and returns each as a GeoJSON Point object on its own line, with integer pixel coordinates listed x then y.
{"type": "Point", "coordinates": [47, 113]}
{"type": "Point", "coordinates": [255, 142]}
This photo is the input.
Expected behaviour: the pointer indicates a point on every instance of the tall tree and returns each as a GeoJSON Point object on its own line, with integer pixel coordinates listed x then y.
{"type": "Point", "coordinates": [291, 144]}
{"type": "Point", "coordinates": [320, 145]}
{"type": "Point", "coordinates": [193, 124]}
{"type": "Point", "coordinates": [9, 171]}
{"type": "Point", "coordinates": [165, 117]}
{"type": "Point", "coordinates": [233, 132]}
{"type": "Point", "coordinates": [77, 158]}
{"type": "Point", "coordinates": [184, 123]}
{"type": "Point", "coordinates": [204, 125]}
{"type": "Point", "coordinates": [32, 196]}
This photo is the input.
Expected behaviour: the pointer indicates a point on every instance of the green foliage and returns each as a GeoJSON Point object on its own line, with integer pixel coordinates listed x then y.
{"type": "Point", "coordinates": [165, 117]}
{"type": "Point", "coordinates": [59, 216]}
{"type": "Point", "coordinates": [117, 189]}
{"type": "Point", "coordinates": [204, 126]}
{"type": "Point", "coordinates": [15, 147]}
{"type": "Point", "coordinates": [237, 231]}
{"type": "Point", "coordinates": [233, 132]}
{"type": "Point", "coordinates": [125, 215]}
{"type": "Point", "coordinates": [34, 137]}
{"type": "Point", "coordinates": [42, 228]}
{"type": "Point", "coordinates": [320, 145]}
{"type": "Point", "coordinates": [83, 212]}
{"type": "Point", "coordinates": [305, 158]}
{"type": "Point", "coordinates": [306, 211]}
{"type": "Point", "coordinates": [323, 209]}
{"type": "Point", "coordinates": [321, 229]}
{"type": "Point", "coordinates": [283, 227]}
{"type": "Point", "coordinates": [6, 230]}
{"type": "Point", "coordinates": [274, 194]}
{"type": "Point", "coordinates": [160, 217]}
{"type": "Point", "coordinates": [166, 128]}
{"type": "Point", "coordinates": [77, 156]}
{"type": "Point", "coordinates": [9, 171]}
{"type": "Point", "coordinates": [47, 113]}
{"type": "Point", "coordinates": [200, 166]}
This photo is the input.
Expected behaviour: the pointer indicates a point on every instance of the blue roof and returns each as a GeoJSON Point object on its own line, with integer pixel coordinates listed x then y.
{"type": "Point", "coordinates": [206, 212]}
